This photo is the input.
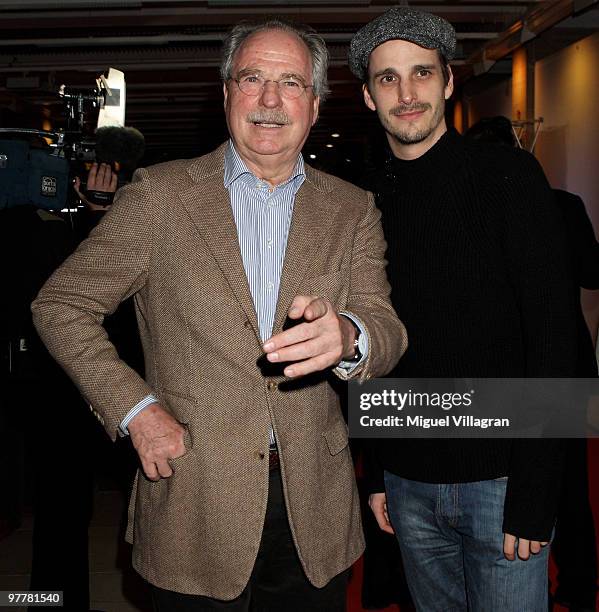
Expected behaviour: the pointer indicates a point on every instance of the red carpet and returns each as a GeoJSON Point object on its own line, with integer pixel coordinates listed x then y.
{"type": "Point", "coordinates": [354, 591]}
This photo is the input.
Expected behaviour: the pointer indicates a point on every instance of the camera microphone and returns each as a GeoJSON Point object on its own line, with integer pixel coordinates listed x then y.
{"type": "Point", "coordinates": [124, 145]}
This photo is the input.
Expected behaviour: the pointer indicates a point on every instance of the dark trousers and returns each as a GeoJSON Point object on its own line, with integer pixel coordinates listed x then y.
{"type": "Point", "coordinates": [277, 581]}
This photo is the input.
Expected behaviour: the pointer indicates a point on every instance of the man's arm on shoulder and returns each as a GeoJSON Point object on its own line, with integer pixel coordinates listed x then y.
{"type": "Point", "coordinates": [108, 267]}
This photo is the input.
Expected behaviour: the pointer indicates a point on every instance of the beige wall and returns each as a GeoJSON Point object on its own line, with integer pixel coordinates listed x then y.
{"type": "Point", "coordinates": [567, 97]}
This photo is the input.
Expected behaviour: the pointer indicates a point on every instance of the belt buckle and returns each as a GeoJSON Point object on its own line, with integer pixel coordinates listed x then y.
{"type": "Point", "coordinates": [273, 459]}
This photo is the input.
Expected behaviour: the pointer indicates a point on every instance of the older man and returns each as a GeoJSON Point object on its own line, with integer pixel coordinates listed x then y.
{"type": "Point", "coordinates": [248, 499]}
{"type": "Point", "coordinates": [476, 261]}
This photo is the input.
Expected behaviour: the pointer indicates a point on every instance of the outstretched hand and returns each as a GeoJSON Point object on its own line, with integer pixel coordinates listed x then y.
{"type": "Point", "coordinates": [322, 340]}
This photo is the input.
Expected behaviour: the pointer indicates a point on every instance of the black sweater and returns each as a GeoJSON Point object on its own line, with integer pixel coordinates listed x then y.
{"type": "Point", "coordinates": [479, 275]}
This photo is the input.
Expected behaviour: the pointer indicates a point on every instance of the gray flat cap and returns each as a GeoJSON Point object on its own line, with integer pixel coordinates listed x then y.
{"type": "Point", "coordinates": [400, 23]}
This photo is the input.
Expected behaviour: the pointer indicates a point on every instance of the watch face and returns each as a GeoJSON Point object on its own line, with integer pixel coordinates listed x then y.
{"type": "Point", "coordinates": [361, 344]}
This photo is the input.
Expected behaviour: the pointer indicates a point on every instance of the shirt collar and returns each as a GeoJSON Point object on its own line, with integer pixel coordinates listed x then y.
{"type": "Point", "coordinates": [235, 168]}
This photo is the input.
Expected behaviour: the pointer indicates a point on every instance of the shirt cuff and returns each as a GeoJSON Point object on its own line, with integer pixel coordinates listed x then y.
{"type": "Point", "coordinates": [146, 401]}
{"type": "Point", "coordinates": [349, 366]}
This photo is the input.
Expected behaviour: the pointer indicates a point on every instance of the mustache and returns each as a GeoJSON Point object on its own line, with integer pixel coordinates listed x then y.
{"type": "Point", "coordinates": [276, 116]}
{"type": "Point", "coordinates": [409, 108]}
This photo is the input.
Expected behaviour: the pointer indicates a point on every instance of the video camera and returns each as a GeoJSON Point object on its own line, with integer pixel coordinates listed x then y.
{"type": "Point", "coordinates": [36, 166]}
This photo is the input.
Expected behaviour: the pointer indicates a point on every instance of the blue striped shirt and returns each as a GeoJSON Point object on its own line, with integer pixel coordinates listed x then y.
{"type": "Point", "coordinates": [262, 216]}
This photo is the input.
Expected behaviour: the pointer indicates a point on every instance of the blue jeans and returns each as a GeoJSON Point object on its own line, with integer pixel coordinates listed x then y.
{"type": "Point", "coordinates": [452, 547]}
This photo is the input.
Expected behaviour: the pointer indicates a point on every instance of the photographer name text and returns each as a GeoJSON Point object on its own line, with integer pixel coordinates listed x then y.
{"type": "Point", "coordinates": [421, 422]}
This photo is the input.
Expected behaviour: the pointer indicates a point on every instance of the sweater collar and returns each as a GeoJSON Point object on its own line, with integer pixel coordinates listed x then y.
{"type": "Point", "coordinates": [442, 158]}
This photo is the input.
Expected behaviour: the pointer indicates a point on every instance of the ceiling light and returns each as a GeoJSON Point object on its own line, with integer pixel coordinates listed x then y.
{"type": "Point", "coordinates": [312, 156]}
{"type": "Point", "coordinates": [335, 135]}
{"type": "Point", "coordinates": [329, 146]}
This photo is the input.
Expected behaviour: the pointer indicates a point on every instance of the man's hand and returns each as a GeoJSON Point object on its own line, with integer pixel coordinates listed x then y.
{"type": "Point", "coordinates": [525, 547]}
{"type": "Point", "coordinates": [99, 178]}
{"type": "Point", "coordinates": [321, 341]}
{"type": "Point", "coordinates": [378, 505]}
{"type": "Point", "coordinates": [157, 437]}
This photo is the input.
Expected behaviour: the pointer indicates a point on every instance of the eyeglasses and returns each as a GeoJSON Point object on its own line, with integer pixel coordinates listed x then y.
{"type": "Point", "coordinates": [253, 85]}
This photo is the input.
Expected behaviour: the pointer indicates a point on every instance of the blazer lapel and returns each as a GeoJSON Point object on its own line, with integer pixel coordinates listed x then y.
{"type": "Point", "coordinates": [313, 212]}
{"type": "Point", "coordinates": [207, 203]}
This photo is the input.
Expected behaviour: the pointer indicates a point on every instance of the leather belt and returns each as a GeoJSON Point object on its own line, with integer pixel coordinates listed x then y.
{"type": "Point", "coordinates": [273, 459]}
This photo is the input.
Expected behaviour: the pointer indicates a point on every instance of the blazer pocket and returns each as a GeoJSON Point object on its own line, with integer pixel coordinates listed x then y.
{"type": "Point", "coordinates": [337, 437]}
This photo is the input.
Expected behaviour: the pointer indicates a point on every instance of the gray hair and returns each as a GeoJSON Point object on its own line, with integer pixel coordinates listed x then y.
{"type": "Point", "coordinates": [315, 43]}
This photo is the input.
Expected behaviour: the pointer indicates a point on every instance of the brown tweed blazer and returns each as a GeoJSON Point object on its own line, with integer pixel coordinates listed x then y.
{"type": "Point", "coordinates": [170, 240]}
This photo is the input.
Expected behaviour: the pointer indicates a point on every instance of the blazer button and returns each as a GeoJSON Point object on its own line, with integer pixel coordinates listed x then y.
{"type": "Point", "coordinates": [271, 385]}
{"type": "Point", "coordinates": [259, 455]}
